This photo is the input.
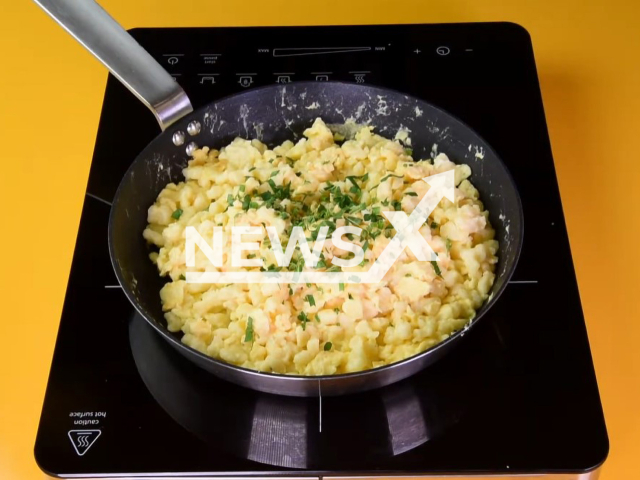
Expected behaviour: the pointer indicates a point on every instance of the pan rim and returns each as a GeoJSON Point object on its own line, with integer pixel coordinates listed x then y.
{"type": "Point", "coordinates": [518, 241]}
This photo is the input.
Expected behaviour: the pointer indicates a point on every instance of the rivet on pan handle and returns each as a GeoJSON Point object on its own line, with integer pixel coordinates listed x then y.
{"type": "Point", "coordinates": [101, 35]}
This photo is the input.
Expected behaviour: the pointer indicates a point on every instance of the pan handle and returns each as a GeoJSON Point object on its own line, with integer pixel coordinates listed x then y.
{"type": "Point", "coordinates": [101, 35]}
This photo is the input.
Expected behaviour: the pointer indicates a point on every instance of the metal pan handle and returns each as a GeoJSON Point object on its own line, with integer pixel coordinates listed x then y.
{"type": "Point", "coordinates": [101, 35]}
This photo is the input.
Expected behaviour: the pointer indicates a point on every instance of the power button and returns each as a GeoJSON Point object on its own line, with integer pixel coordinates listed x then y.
{"type": "Point", "coordinates": [443, 51]}
{"type": "Point", "coordinates": [173, 58]}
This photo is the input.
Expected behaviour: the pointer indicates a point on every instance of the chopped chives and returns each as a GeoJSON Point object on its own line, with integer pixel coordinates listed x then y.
{"type": "Point", "coordinates": [304, 319]}
{"type": "Point", "coordinates": [436, 268]}
{"type": "Point", "coordinates": [248, 334]}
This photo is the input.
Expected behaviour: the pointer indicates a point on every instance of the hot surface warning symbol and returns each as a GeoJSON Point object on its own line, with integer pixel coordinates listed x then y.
{"type": "Point", "coordinates": [83, 439]}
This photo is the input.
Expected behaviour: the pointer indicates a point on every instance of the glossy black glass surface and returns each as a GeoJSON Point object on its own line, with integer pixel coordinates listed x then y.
{"type": "Point", "coordinates": [518, 396]}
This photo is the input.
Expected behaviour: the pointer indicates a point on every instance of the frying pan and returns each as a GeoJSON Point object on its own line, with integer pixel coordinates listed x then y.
{"type": "Point", "coordinates": [273, 114]}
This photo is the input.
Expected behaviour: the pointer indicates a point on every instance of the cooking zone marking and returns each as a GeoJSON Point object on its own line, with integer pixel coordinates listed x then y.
{"type": "Point", "coordinates": [91, 195]}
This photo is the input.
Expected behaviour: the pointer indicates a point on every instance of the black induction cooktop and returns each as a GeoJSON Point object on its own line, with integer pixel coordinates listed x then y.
{"type": "Point", "coordinates": [519, 396]}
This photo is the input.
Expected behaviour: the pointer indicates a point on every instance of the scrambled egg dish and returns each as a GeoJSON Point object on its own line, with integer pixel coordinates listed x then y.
{"type": "Point", "coordinates": [321, 180]}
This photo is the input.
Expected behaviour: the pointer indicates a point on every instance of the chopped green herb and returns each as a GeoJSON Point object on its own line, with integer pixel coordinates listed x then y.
{"type": "Point", "coordinates": [290, 291]}
{"type": "Point", "coordinates": [389, 176]}
{"type": "Point", "coordinates": [350, 297]}
{"type": "Point", "coordinates": [252, 169]}
{"type": "Point", "coordinates": [177, 213]}
{"type": "Point", "coordinates": [327, 346]}
{"type": "Point", "coordinates": [434, 225]}
{"type": "Point", "coordinates": [182, 277]}
{"type": "Point", "coordinates": [342, 287]}
{"type": "Point", "coordinates": [242, 188]}
{"type": "Point", "coordinates": [355, 184]}
{"type": "Point", "coordinates": [338, 137]}
{"type": "Point", "coordinates": [274, 173]}
{"type": "Point", "coordinates": [436, 268]}
{"type": "Point", "coordinates": [408, 151]}
{"type": "Point", "coordinates": [248, 333]}
{"type": "Point", "coordinates": [311, 300]}
{"type": "Point", "coordinates": [447, 243]}
{"type": "Point", "coordinates": [411, 194]}
{"type": "Point", "coordinates": [303, 318]}
{"type": "Point", "coordinates": [230, 199]}
{"type": "Point", "coordinates": [251, 255]}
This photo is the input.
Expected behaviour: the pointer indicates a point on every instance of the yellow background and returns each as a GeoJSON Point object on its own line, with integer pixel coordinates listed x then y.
{"type": "Point", "coordinates": [588, 56]}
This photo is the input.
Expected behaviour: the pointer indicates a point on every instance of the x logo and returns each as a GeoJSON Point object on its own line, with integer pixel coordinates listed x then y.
{"type": "Point", "coordinates": [407, 227]}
